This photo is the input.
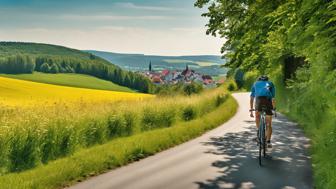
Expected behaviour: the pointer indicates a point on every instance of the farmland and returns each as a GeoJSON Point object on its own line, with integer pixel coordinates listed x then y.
{"type": "Point", "coordinates": [71, 80]}
{"type": "Point", "coordinates": [25, 93]}
{"type": "Point", "coordinates": [42, 122]}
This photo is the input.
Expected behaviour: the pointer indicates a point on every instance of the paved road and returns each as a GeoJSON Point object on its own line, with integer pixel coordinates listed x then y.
{"type": "Point", "coordinates": [222, 158]}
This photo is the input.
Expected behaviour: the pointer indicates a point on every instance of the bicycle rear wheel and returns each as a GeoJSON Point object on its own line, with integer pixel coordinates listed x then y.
{"type": "Point", "coordinates": [260, 152]}
{"type": "Point", "coordinates": [264, 141]}
{"type": "Point", "coordinates": [261, 141]}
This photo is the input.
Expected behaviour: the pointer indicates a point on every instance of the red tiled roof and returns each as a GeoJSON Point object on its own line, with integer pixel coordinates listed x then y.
{"type": "Point", "coordinates": [165, 72]}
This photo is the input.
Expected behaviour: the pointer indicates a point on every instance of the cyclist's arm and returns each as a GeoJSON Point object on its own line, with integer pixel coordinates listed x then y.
{"type": "Point", "coordinates": [273, 96]}
{"type": "Point", "coordinates": [252, 97]}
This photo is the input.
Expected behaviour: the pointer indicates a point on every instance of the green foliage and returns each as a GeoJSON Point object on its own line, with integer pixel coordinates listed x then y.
{"type": "Point", "coordinates": [249, 79]}
{"type": "Point", "coordinates": [154, 118]}
{"type": "Point", "coordinates": [239, 78]}
{"type": "Point", "coordinates": [16, 64]}
{"type": "Point", "coordinates": [54, 69]}
{"type": "Point", "coordinates": [294, 41]}
{"type": "Point", "coordinates": [192, 88]}
{"type": "Point", "coordinates": [231, 85]}
{"type": "Point", "coordinates": [116, 126]}
{"type": "Point", "coordinates": [189, 113]}
{"type": "Point", "coordinates": [45, 68]}
{"type": "Point", "coordinates": [23, 152]}
{"type": "Point", "coordinates": [221, 99]}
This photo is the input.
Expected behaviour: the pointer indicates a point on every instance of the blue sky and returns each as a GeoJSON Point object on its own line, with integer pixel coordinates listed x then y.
{"type": "Point", "coordinates": [165, 27]}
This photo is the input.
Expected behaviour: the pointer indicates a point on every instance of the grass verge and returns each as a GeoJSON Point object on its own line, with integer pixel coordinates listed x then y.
{"type": "Point", "coordinates": [88, 162]}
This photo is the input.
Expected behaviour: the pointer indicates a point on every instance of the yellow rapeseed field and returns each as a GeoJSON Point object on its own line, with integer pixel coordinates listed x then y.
{"type": "Point", "coordinates": [15, 92]}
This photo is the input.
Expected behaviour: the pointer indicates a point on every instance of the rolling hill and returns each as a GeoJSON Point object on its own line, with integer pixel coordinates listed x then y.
{"type": "Point", "coordinates": [19, 57]}
{"type": "Point", "coordinates": [205, 64]}
{"type": "Point", "coordinates": [71, 80]}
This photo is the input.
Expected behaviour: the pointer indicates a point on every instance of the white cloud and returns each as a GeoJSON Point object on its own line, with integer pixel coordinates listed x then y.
{"type": "Point", "coordinates": [112, 17]}
{"type": "Point", "coordinates": [178, 41]}
{"type": "Point", "coordinates": [149, 8]}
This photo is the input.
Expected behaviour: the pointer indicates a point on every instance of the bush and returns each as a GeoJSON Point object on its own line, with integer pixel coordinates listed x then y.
{"type": "Point", "coordinates": [192, 88]}
{"type": "Point", "coordinates": [129, 118]}
{"type": "Point", "coordinates": [188, 113]}
{"type": "Point", "coordinates": [232, 86]}
{"type": "Point", "coordinates": [149, 119]}
{"type": "Point", "coordinates": [94, 132]}
{"type": "Point", "coordinates": [220, 99]}
{"type": "Point", "coordinates": [116, 126]}
{"type": "Point", "coordinates": [23, 152]}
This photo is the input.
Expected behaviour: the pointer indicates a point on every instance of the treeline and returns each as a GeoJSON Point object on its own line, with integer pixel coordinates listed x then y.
{"type": "Point", "coordinates": [17, 64]}
{"type": "Point", "coordinates": [93, 66]}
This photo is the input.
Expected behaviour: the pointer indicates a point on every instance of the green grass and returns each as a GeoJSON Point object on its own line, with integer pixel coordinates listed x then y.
{"type": "Point", "coordinates": [118, 152]}
{"type": "Point", "coordinates": [71, 80]}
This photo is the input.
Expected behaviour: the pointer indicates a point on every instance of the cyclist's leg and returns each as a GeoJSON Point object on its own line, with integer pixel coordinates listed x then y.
{"type": "Point", "coordinates": [257, 112]}
{"type": "Point", "coordinates": [269, 120]}
{"type": "Point", "coordinates": [269, 127]}
{"type": "Point", "coordinates": [257, 118]}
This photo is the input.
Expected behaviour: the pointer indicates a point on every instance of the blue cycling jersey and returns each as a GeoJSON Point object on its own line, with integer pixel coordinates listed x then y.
{"type": "Point", "coordinates": [263, 88]}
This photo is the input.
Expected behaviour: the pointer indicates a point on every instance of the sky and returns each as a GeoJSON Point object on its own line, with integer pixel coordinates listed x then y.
{"type": "Point", "coordinates": [159, 27]}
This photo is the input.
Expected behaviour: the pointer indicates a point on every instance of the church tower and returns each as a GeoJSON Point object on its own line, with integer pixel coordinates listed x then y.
{"type": "Point", "coordinates": [150, 66]}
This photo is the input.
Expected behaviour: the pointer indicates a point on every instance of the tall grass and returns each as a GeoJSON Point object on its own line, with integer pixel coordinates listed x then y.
{"type": "Point", "coordinates": [31, 136]}
{"type": "Point", "coordinates": [118, 152]}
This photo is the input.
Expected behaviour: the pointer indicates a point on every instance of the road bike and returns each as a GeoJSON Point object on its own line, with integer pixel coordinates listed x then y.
{"type": "Point", "coordinates": [262, 134]}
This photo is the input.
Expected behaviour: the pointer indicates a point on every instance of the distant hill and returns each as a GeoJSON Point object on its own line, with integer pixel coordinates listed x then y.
{"type": "Point", "coordinates": [70, 80]}
{"type": "Point", "coordinates": [205, 64]}
{"type": "Point", "coordinates": [19, 57]}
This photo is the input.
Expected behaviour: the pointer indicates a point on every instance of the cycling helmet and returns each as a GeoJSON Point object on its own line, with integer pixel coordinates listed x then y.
{"type": "Point", "coordinates": [263, 78]}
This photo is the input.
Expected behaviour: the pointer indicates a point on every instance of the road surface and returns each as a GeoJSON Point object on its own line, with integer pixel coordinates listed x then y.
{"type": "Point", "coordinates": [225, 157]}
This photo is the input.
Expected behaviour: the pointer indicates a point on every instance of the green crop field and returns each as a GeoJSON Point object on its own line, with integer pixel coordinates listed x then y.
{"type": "Point", "coordinates": [71, 80]}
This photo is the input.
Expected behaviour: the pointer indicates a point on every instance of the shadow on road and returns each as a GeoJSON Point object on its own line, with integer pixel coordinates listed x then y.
{"type": "Point", "coordinates": [238, 159]}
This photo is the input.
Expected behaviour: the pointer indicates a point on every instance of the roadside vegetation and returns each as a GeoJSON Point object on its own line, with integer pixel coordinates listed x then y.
{"type": "Point", "coordinates": [134, 145]}
{"type": "Point", "coordinates": [54, 124]}
{"type": "Point", "coordinates": [294, 42]}
{"type": "Point", "coordinates": [71, 80]}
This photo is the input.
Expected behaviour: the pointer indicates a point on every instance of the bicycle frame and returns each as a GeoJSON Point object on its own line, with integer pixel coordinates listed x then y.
{"type": "Point", "coordinates": [262, 134]}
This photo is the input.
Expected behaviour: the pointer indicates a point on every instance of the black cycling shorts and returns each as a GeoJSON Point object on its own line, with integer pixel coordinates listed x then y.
{"type": "Point", "coordinates": [264, 102]}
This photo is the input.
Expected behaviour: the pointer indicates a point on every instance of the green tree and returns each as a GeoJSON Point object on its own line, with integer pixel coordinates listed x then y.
{"type": "Point", "coordinates": [54, 69]}
{"type": "Point", "coordinates": [45, 68]}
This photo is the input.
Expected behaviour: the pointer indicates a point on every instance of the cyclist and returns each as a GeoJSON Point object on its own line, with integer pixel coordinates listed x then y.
{"type": "Point", "coordinates": [263, 91]}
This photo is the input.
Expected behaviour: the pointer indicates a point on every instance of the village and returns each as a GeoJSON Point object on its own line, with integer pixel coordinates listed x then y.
{"type": "Point", "coordinates": [186, 76]}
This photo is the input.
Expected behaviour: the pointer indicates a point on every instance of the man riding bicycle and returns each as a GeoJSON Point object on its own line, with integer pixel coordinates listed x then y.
{"type": "Point", "coordinates": [263, 91]}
